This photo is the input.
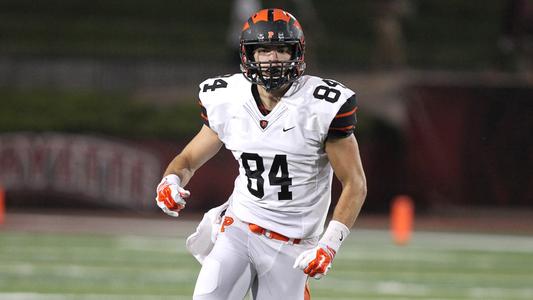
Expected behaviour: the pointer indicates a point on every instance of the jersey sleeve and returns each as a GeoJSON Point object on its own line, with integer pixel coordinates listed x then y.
{"type": "Point", "coordinates": [343, 124]}
{"type": "Point", "coordinates": [218, 99]}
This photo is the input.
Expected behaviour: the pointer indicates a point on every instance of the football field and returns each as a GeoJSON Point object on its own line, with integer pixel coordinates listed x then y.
{"type": "Point", "coordinates": [369, 266]}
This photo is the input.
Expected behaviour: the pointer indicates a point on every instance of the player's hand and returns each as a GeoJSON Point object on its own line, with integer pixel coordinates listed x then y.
{"type": "Point", "coordinates": [315, 262]}
{"type": "Point", "coordinates": [171, 196]}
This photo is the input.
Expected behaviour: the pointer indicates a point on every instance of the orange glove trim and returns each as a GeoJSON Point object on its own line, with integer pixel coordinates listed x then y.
{"type": "Point", "coordinates": [320, 263]}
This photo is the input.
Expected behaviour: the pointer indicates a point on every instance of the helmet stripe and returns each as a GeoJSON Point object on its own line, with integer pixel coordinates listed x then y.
{"type": "Point", "coordinates": [281, 15]}
{"type": "Point", "coordinates": [261, 15]}
{"type": "Point", "coordinates": [246, 25]}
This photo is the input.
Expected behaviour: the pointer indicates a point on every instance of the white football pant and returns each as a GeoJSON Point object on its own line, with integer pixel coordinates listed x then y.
{"type": "Point", "coordinates": [241, 260]}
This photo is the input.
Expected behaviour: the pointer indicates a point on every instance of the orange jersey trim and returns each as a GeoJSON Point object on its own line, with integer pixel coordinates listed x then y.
{"type": "Point", "coordinates": [346, 113]}
{"type": "Point", "coordinates": [342, 128]}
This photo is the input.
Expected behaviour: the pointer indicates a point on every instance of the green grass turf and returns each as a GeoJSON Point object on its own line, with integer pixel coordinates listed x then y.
{"type": "Point", "coordinates": [369, 266]}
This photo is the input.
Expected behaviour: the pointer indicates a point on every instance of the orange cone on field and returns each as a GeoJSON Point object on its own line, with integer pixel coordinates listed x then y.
{"type": "Point", "coordinates": [402, 216]}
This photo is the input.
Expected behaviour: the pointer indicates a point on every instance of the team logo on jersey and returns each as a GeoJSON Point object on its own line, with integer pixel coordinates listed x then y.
{"type": "Point", "coordinates": [227, 222]}
{"type": "Point", "coordinates": [263, 123]}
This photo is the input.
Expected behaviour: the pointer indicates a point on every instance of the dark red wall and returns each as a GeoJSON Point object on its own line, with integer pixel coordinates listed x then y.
{"type": "Point", "coordinates": [471, 145]}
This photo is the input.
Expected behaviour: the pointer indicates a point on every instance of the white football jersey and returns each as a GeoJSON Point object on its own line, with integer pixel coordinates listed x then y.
{"type": "Point", "coordinates": [284, 181]}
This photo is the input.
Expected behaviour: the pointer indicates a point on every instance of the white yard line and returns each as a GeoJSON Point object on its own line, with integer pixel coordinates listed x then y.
{"type": "Point", "coordinates": [46, 296]}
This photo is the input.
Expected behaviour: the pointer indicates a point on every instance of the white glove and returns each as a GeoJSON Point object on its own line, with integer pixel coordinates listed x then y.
{"type": "Point", "coordinates": [171, 196]}
{"type": "Point", "coordinates": [316, 262]}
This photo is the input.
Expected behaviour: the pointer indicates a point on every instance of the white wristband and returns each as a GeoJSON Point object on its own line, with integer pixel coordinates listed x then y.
{"type": "Point", "coordinates": [172, 179]}
{"type": "Point", "coordinates": [335, 234]}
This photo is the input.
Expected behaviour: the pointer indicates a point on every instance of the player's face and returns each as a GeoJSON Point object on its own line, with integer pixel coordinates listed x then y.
{"type": "Point", "coordinates": [272, 53]}
{"type": "Point", "coordinates": [270, 58]}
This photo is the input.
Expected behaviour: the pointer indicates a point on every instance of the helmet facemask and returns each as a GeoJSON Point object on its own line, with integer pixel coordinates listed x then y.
{"type": "Point", "coordinates": [272, 75]}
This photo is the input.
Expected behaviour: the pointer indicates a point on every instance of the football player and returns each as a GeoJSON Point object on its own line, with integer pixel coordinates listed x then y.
{"type": "Point", "coordinates": [289, 133]}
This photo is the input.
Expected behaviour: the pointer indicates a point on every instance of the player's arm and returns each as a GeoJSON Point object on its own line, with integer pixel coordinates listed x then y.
{"type": "Point", "coordinates": [170, 192]}
{"type": "Point", "coordinates": [343, 154]}
{"type": "Point", "coordinates": [199, 150]}
{"type": "Point", "coordinates": [345, 160]}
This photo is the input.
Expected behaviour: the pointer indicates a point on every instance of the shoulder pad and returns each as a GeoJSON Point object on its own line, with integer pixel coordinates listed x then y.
{"type": "Point", "coordinates": [221, 82]}
{"type": "Point", "coordinates": [319, 90]}
{"type": "Point", "coordinates": [328, 84]}
{"type": "Point", "coordinates": [227, 88]}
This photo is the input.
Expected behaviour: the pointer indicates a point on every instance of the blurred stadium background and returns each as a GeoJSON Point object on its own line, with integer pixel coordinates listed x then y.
{"type": "Point", "coordinates": [97, 96]}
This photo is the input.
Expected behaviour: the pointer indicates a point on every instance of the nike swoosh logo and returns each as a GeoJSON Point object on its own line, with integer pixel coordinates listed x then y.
{"type": "Point", "coordinates": [342, 237]}
{"type": "Point", "coordinates": [285, 130]}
